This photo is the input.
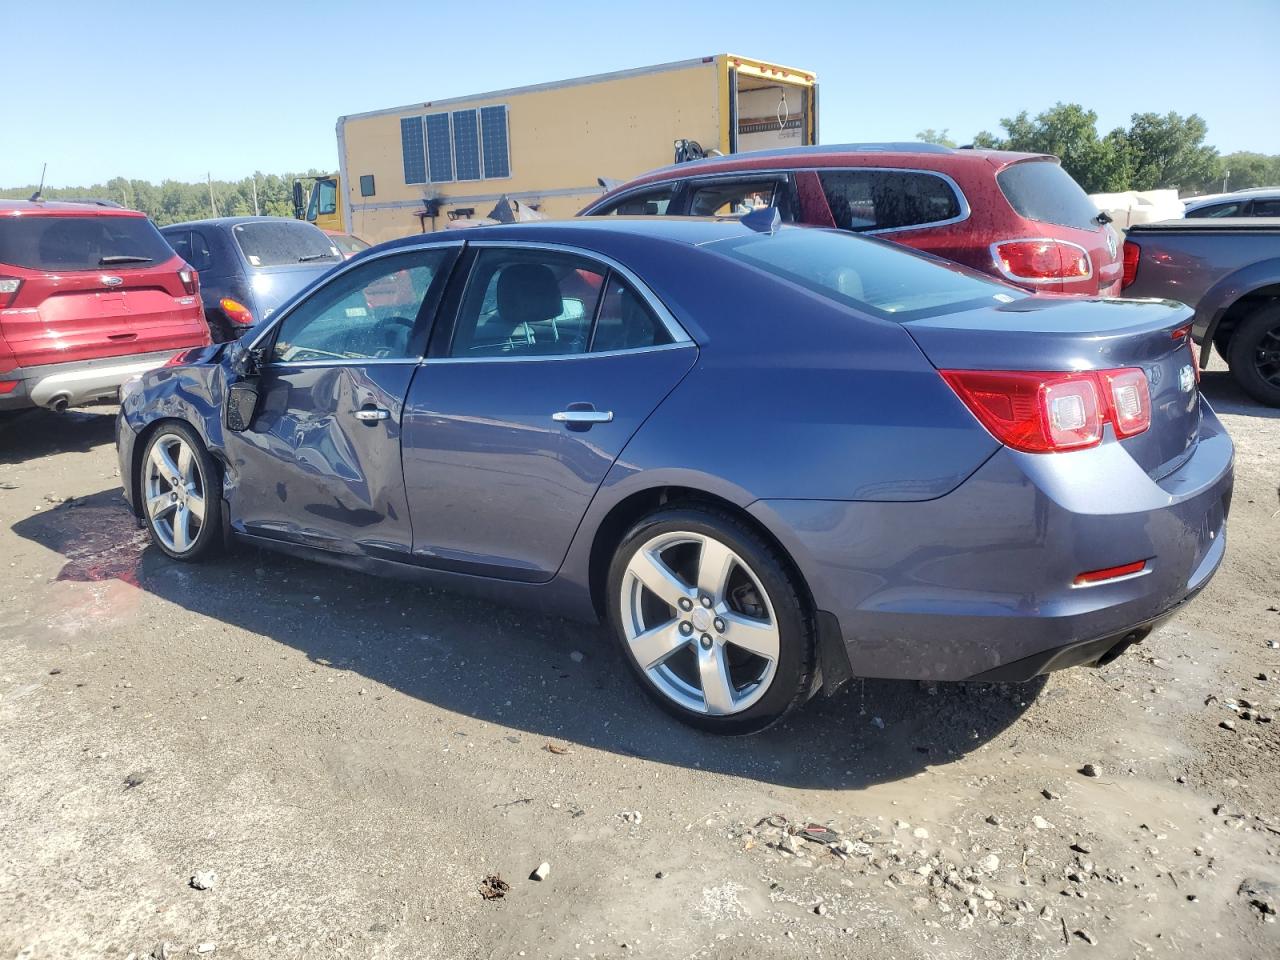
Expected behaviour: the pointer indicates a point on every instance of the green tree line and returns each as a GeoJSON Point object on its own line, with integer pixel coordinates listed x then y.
{"type": "Point", "coordinates": [1154, 151]}
{"type": "Point", "coordinates": [173, 201]}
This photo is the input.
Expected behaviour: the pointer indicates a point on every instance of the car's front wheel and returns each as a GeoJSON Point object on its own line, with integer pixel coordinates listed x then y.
{"type": "Point", "coordinates": [712, 619]}
{"type": "Point", "coordinates": [179, 493]}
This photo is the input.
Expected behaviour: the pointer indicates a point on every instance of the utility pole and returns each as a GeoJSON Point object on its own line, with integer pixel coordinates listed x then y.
{"type": "Point", "coordinates": [256, 211]}
{"type": "Point", "coordinates": [1225, 177]}
{"type": "Point", "coordinates": [212, 206]}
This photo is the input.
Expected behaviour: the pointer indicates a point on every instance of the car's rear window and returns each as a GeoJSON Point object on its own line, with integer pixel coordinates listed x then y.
{"type": "Point", "coordinates": [1041, 190]}
{"type": "Point", "coordinates": [60, 244]}
{"type": "Point", "coordinates": [347, 242]}
{"type": "Point", "coordinates": [871, 275]}
{"type": "Point", "coordinates": [267, 243]}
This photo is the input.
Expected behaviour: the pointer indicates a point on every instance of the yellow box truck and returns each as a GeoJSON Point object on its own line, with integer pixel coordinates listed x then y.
{"type": "Point", "coordinates": [551, 146]}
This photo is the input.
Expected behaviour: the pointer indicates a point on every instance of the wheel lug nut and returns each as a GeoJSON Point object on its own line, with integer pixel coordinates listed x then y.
{"type": "Point", "coordinates": [706, 601]}
{"type": "Point", "coordinates": [707, 641]}
{"type": "Point", "coordinates": [686, 628]}
{"type": "Point", "coordinates": [686, 603]}
{"type": "Point", "coordinates": [719, 625]}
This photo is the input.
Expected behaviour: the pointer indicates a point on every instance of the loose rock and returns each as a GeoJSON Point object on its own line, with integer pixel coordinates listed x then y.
{"type": "Point", "coordinates": [204, 880]}
{"type": "Point", "coordinates": [1091, 770]}
{"type": "Point", "coordinates": [541, 872]}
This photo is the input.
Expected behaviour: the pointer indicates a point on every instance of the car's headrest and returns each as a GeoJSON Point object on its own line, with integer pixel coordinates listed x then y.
{"type": "Point", "coordinates": [528, 293]}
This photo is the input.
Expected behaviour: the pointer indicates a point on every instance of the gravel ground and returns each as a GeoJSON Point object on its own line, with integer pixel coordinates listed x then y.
{"type": "Point", "coordinates": [351, 758]}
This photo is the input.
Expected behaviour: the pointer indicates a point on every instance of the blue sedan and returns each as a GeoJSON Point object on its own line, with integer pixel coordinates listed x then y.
{"type": "Point", "coordinates": [769, 458]}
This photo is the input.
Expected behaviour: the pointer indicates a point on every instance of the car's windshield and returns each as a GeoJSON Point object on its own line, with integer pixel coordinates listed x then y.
{"type": "Point", "coordinates": [274, 243]}
{"type": "Point", "coordinates": [871, 275]}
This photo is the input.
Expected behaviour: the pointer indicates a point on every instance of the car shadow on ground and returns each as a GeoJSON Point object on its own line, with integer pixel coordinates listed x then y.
{"type": "Point", "coordinates": [1220, 387]}
{"type": "Point", "coordinates": [522, 670]}
{"type": "Point", "coordinates": [31, 434]}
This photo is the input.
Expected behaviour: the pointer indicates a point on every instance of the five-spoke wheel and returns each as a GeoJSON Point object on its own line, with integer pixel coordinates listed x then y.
{"type": "Point", "coordinates": [178, 499]}
{"type": "Point", "coordinates": [710, 619]}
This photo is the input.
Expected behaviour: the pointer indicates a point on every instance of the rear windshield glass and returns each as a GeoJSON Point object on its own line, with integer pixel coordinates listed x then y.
{"type": "Point", "coordinates": [871, 275]}
{"type": "Point", "coordinates": [269, 243]}
{"type": "Point", "coordinates": [1041, 190]}
{"type": "Point", "coordinates": [81, 243]}
{"type": "Point", "coordinates": [348, 243]}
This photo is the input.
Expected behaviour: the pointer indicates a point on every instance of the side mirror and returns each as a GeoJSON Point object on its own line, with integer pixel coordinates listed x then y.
{"type": "Point", "coordinates": [242, 404]}
{"type": "Point", "coordinates": [299, 201]}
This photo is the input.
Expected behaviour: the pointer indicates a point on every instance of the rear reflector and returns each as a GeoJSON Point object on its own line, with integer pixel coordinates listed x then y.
{"type": "Point", "coordinates": [1131, 254]}
{"type": "Point", "coordinates": [1110, 573]}
{"type": "Point", "coordinates": [1038, 412]}
{"type": "Point", "coordinates": [1042, 261]}
{"type": "Point", "coordinates": [8, 386]}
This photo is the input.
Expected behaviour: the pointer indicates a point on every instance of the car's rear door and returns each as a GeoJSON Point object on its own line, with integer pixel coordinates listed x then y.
{"type": "Point", "coordinates": [320, 463]}
{"type": "Point", "coordinates": [554, 360]}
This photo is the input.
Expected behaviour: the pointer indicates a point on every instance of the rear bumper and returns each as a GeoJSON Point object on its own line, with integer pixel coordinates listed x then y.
{"type": "Point", "coordinates": [979, 583]}
{"type": "Point", "coordinates": [80, 382]}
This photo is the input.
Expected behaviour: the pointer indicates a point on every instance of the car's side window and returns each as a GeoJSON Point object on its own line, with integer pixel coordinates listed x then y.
{"type": "Point", "coordinates": [1218, 210]}
{"type": "Point", "coordinates": [201, 258]}
{"type": "Point", "coordinates": [1266, 208]}
{"type": "Point", "coordinates": [738, 197]}
{"type": "Point", "coordinates": [368, 313]}
{"type": "Point", "coordinates": [625, 321]}
{"type": "Point", "coordinates": [180, 240]}
{"type": "Point", "coordinates": [650, 203]}
{"type": "Point", "coordinates": [527, 303]}
{"type": "Point", "coordinates": [862, 200]}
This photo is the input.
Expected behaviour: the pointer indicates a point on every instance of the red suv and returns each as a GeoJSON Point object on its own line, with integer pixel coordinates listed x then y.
{"type": "Point", "coordinates": [90, 295]}
{"type": "Point", "coordinates": [1019, 216]}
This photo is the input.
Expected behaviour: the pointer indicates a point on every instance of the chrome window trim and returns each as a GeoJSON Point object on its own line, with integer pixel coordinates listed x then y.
{"type": "Point", "coordinates": [673, 327]}
{"type": "Point", "coordinates": [1010, 275]}
{"type": "Point", "coordinates": [328, 278]}
{"type": "Point", "coordinates": [681, 345]}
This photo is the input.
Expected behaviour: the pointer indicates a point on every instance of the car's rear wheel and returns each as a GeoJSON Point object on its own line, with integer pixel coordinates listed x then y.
{"type": "Point", "coordinates": [712, 619]}
{"type": "Point", "coordinates": [179, 493]}
{"type": "Point", "coordinates": [1254, 354]}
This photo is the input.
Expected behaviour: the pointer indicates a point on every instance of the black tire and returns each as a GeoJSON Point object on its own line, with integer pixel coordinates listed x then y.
{"type": "Point", "coordinates": [1258, 332]}
{"type": "Point", "coordinates": [208, 537]}
{"type": "Point", "coordinates": [793, 672]}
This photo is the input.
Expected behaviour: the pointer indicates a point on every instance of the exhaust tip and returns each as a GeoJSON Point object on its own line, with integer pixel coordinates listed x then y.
{"type": "Point", "coordinates": [60, 402]}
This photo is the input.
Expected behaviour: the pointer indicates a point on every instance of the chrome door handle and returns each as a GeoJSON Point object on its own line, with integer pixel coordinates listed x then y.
{"type": "Point", "coordinates": [372, 414]}
{"type": "Point", "coordinates": [583, 416]}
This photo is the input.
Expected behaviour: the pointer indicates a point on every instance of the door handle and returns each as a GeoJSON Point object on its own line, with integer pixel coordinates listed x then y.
{"type": "Point", "coordinates": [372, 414]}
{"type": "Point", "coordinates": [583, 416]}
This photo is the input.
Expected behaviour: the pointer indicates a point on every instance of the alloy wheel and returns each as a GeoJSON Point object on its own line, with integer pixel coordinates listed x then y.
{"type": "Point", "coordinates": [1267, 356]}
{"type": "Point", "coordinates": [174, 492]}
{"type": "Point", "coordinates": [699, 623]}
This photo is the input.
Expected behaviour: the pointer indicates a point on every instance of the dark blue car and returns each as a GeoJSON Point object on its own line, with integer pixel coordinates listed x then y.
{"type": "Point", "coordinates": [249, 266]}
{"type": "Point", "coordinates": [769, 458]}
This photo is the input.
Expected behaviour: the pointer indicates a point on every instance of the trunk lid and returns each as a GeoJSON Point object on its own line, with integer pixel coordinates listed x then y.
{"type": "Point", "coordinates": [1049, 333]}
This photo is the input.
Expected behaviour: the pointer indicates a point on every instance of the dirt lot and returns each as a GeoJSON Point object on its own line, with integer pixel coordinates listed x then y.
{"type": "Point", "coordinates": [352, 757]}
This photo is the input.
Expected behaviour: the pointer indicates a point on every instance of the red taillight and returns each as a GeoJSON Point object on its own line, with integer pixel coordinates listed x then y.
{"type": "Point", "coordinates": [9, 287]}
{"type": "Point", "coordinates": [190, 280]}
{"type": "Point", "coordinates": [1040, 412]}
{"type": "Point", "coordinates": [1132, 252]}
{"type": "Point", "coordinates": [1042, 261]}
{"type": "Point", "coordinates": [1110, 573]}
{"type": "Point", "coordinates": [8, 386]}
{"type": "Point", "coordinates": [236, 312]}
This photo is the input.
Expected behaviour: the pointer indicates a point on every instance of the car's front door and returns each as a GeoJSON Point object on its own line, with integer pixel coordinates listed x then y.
{"type": "Point", "coordinates": [554, 361]}
{"type": "Point", "coordinates": [320, 462]}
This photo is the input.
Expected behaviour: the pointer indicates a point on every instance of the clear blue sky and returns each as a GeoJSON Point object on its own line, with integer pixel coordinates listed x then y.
{"type": "Point", "coordinates": [172, 90]}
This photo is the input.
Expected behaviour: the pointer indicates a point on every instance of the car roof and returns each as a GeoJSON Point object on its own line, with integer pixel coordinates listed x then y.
{"type": "Point", "coordinates": [580, 231]}
{"type": "Point", "coordinates": [1193, 203]}
{"type": "Point", "coordinates": [64, 208]}
{"type": "Point", "coordinates": [825, 154]}
{"type": "Point", "coordinates": [232, 222]}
